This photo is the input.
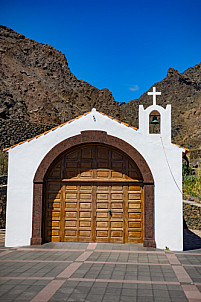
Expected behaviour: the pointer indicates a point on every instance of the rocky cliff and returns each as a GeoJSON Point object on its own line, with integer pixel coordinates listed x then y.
{"type": "Point", "coordinates": [38, 90]}
{"type": "Point", "coordinates": [37, 84]}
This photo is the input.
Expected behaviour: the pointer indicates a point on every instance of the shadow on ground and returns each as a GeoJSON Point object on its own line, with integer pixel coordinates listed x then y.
{"type": "Point", "coordinates": [191, 240]}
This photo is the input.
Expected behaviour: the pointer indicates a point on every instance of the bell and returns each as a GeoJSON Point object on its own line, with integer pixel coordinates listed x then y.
{"type": "Point", "coordinates": [154, 120]}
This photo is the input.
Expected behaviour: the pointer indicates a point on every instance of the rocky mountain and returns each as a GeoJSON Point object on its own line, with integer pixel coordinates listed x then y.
{"type": "Point", "coordinates": [37, 84]}
{"type": "Point", "coordinates": [38, 90]}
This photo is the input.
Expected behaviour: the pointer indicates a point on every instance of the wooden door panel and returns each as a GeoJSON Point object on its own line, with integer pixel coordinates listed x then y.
{"type": "Point", "coordinates": [109, 214]}
{"type": "Point", "coordinates": [101, 214]}
{"type": "Point", "coordinates": [94, 162]}
{"type": "Point", "coordinates": [70, 217]}
{"type": "Point", "coordinates": [85, 228]}
{"type": "Point", "coordinates": [117, 227]}
{"type": "Point", "coordinates": [53, 211]}
{"type": "Point", "coordinates": [78, 213]}
{"type": "Point", "coordinates": [55, 173]}
{"type": "Point", "coordinates": [135, 214]}
{"type": "Point", "coordinates": [102, 224]}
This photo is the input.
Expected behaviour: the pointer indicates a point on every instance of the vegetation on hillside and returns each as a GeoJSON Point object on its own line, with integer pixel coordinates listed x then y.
{"type": "Point", "coordinates": [192, 184]}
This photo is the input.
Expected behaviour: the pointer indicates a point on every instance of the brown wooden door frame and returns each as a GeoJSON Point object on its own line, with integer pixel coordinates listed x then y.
{"type": "Point", "coordinates": [93, 137]}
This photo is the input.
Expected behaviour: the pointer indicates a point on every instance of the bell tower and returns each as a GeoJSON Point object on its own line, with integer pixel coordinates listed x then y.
{"type": "Point", "coordinates": [155, 116]}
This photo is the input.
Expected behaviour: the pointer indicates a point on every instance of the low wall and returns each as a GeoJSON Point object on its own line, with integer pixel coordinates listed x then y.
{"type": "Point", "coordinates": [3, 197]}
{"type": "Point", "coordinates": [15, 131]}
{"type": "Point", "coordinates": [3, 180]}
{"type": "Point", "coordinates": [192, 214]}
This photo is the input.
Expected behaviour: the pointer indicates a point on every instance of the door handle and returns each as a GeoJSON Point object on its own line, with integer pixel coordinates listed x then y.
{"type": "Point", "coordinates": [110, 212]}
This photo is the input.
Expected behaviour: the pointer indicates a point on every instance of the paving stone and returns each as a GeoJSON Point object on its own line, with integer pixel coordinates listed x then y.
{"type": "Point", "coordinates": [85, 291]}
{"type": "Point", "coordinates": [77, 296]}
{"type": "Point", "coordinates": [86, 284]}
{"type": "Point", "coordinates": [111, 297]}
{"type": "Point", "coordinates": [29, 293]}
{"type": "Point", "coordinates": [173, 287]}
{"type": "Point", "coordinates": [128, 299]}
{"type": "Point", "coordinates": [97, 291]}
{"type": "Point", "coordinates": [100, 284]}
{"type": "Point", "coordinates": [184, 299]}
{"type": "Point", "coordinates": [55, 299]}
{"type": "Point", "coordinates": [59, 297]}
{"type": "Point", "coordinates": [144, 292]}
{"type": "Point", "coordinates": [160, 293]}
{"type": "Point", "coordinates": [73, 283]}
{"type": "Point", "coordinates": [114, 285]}
{"type": "Point", "coordinates": [144, 286]}
{"type": "Point", "coordinates": [176, 294]}
{"type": "Point", "coordinates": [65, 290]}
{"type": "Point", "coordinates": [9, 296]}
{"type": "Point", "coordinates": [94, 298]}
{"type": "Point", "coordinates": [112, 290]}
{"type": "Point", "coordinates": [145, 299]}
{"type": "Point", "coordinates": [160, 286]}
{"type": "Point", "coordinates": [130, 292]}
{"type": "Point", "coordinates": [6, 287]}
{"type": "Point", "coordinates": [38, 282]}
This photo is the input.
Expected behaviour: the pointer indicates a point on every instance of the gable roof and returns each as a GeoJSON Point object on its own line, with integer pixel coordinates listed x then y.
{"type": "Point", "coordinates": [70, 121]}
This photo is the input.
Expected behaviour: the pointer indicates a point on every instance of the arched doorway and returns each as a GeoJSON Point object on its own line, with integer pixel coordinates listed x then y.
{"type": "Point", "coordinates": [93, 193]}
{"type": "Point", "coordinates": [93, 137]}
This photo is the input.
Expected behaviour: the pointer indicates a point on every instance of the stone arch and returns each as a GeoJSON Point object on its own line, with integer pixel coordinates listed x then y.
{"type": "Point", "coordinates": [94, 137]}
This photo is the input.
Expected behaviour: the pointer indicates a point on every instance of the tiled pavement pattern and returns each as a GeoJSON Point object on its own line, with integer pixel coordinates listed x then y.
{"type": "Point", "coordinates": [91, 272]}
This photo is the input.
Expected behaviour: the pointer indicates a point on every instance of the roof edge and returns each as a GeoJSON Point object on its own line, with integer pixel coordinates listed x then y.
{"type": "Point", "coordinates": [68, 122]}
{"type": "Point", "coordinates": [114, 119]}
{"type": "Point", "coordinates": [186, 149]}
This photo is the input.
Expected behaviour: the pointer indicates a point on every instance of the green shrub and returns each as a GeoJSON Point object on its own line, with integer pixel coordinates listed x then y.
{"type": "Point", "coordinates": [192, 184]}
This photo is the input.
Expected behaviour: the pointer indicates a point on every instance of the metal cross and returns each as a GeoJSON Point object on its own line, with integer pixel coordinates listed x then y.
{"type": "Point", "coordinates": [154, 93]}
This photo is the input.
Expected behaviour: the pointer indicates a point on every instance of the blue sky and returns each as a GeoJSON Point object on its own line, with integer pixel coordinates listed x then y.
{"type": "Point", "coordinates": [123, 45]}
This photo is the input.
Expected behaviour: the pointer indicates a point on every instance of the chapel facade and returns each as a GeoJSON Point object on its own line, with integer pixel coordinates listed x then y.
{"type": "Point", "coordinates": [95, 179]}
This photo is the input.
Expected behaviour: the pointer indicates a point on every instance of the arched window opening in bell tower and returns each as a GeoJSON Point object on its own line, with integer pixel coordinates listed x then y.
{"type": "Point", "coordinates": [154, 122]}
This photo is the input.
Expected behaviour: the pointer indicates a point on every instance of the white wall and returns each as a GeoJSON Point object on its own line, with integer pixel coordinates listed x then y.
{"type": "Point", "coordinates": [25, 159]}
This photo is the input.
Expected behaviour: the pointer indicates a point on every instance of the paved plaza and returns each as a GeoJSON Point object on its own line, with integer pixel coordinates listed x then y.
{"type": "Point", "coordinates": [101, 272]}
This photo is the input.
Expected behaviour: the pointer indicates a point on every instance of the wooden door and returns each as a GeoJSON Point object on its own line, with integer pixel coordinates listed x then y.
{"type": "Point", "coordinates": [78, 214]}
{"type": "Point", "coordinates": [93, 194]}
{"type": "Point", "coordinates": [94, 213]}
{"type": "Point", "coordinates": [109, 215]}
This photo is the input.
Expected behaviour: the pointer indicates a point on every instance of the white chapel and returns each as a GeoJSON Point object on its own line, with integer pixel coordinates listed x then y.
{"type": "Point", "coordinates": [95, 179]}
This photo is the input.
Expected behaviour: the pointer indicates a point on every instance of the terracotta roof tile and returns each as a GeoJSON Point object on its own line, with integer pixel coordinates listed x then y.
{"type": "Point", "coordinates": [181, 147]}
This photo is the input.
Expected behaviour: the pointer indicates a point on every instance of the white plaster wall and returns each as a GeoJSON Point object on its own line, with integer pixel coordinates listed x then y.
{"type": "Point", "coordinates": [25, 159]}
